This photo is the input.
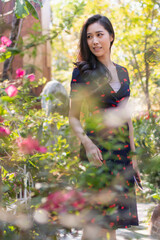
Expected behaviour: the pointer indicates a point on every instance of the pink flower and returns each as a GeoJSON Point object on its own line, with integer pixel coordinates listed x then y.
{"type": "Point", "coordinates": [29, 145]}
{"type": "Point", "coordinates": [20, 73]}
{"type": "Point", "coordinates": [42, 149]}
{"type": "Point", "coordinates": [1, 119]}
{"type": "Point", "coordinates": [59, 201]}
{"type": "Point", "coordinates": [6, 41]}
{"type": "Point", "coordinates": [4, 132]}
{"type": "Point", "coordinates": [2, 48]}
{"type": "Point", "coordinates": [31, 77]}
{"type": "Point", "coordinates": [55, 202]}
{"type": "Point", "coordinates": [11, 91]}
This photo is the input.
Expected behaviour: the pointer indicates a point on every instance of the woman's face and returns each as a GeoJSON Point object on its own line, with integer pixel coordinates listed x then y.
{"type": "Point", "coordinates": [98, 39]}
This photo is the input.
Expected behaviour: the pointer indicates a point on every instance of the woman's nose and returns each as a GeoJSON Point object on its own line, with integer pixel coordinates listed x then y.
{"type": "Point", "coordinates": [95, 40]}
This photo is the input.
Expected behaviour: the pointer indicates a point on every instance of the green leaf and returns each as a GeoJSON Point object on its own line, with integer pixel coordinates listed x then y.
{"type": "Point", "coordinates": [4, 56]}
{"type": "Point", "coordinates": [156, 196]}
{"type": "Point", "coordinates": [7, 99]}
{"type": "Point", "coordinates": [21, 9]}
{"type": "Point", "coordinates": [14, 51]}
{"type": "Point", "coordinates": [38, 2]}
{"type": "Point", "coordinates": [32, 9]}
{"type": "Point", "coordinates": [10, 52]}
{"type": "Point", "coordinates": [1, 111]}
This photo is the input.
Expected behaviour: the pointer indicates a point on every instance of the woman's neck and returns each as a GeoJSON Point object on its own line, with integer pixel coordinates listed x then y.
{"type": "Point", "coordinates": [106, 61]}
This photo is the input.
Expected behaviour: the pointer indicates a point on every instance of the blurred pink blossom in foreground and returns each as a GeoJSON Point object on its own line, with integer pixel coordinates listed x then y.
{"type": "Point", "coordinates": [31, 77]}
{"type": "Point", "coordinates": [6, 41]}
{"type": "Point", "coordinates": [30, 146]}
{"type": "Point", "coordinates": [61, 201]}
{"type": "Point", "coordinates": [2, 48]}
{"type": "Point", "coordinates": [4, 132]}
{"type": "Point", "coordinates": [20, 73]}
{"type": "Point", "coordinates": [11, 90]}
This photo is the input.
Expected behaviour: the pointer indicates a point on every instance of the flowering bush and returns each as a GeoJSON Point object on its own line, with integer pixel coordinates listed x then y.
{"type": "Point", "coordinates": [23, 136]}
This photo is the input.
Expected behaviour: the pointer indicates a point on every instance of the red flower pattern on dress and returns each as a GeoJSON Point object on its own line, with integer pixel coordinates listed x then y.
{"type": "Point", "coordinates": [124, 70]}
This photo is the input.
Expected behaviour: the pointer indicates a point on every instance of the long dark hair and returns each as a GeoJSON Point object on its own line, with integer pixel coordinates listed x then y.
{"type": "Point", "coordinates": [87, 61]}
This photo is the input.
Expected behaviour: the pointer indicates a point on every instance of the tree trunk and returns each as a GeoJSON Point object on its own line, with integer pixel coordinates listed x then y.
{"type": "Point", "coordinates": [15, 32]}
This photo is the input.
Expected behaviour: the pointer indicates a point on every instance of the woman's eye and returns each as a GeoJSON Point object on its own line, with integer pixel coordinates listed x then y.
{"type": "Point", "coordinates": [100, 34]}
{"type": "Point", "coordinates": [88, 36]}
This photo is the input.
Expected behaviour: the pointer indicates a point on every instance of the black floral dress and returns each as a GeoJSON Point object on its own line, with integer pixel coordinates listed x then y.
{"type": "Point", "coordinates": [114, 144]}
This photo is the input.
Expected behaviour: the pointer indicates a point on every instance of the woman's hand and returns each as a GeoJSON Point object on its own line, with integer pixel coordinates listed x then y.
{"type": "Point", "coordinates": [93, 154]}
{"type": "Point", "coordinates": [135, 167]}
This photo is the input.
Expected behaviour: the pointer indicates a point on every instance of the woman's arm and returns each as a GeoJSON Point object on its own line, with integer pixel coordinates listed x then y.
{"type": "Point", "coordinates": [92, 151]}
{"type": "Point", "coordinates": [132, 145]}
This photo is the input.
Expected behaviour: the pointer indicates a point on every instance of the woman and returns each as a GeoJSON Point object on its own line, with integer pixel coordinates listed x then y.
{"type": "Point", "coordinates": [104, 86]}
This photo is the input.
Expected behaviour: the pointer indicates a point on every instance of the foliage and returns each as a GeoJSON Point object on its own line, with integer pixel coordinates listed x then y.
{"type": "Point", "coordinates": [20, 113]}
{"type": "Point", "coordinates": [23, 8]}
{"type": "Point", "coordinates": [147, 133]}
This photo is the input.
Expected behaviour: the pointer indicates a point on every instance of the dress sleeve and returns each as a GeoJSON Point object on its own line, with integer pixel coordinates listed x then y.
{"type": "Point", "coordinates": [76, 85]}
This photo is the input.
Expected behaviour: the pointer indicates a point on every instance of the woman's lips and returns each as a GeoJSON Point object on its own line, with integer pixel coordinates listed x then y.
{"type": "Point", "coordinates": [96, 49]}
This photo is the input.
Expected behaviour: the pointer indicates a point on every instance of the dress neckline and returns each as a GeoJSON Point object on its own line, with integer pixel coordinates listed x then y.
{"type": "Point", "coordinates": [117, 70]}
